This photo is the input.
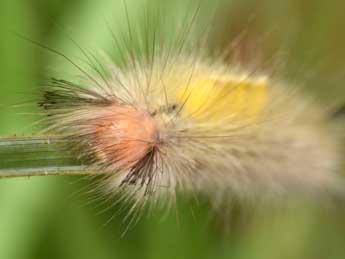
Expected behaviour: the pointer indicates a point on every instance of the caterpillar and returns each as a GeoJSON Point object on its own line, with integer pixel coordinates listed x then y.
{"type": "Point", "coordinates": [171, 117]}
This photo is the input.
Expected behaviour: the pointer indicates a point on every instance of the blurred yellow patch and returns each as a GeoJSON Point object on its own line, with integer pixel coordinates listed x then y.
{"type": "Point", "coordinates": [215, 99]}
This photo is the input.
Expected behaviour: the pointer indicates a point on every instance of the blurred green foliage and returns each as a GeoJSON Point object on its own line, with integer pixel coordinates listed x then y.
{"type": "Point", "coordinates": [53, 217]}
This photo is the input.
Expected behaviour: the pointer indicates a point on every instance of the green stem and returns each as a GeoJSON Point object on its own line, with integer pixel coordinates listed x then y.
{"type": "Point", "coordinates": [36, 155]}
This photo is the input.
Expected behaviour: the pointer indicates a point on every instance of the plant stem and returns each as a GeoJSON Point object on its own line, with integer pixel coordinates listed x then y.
{"type": "Point", "coordinates": [37, 155]}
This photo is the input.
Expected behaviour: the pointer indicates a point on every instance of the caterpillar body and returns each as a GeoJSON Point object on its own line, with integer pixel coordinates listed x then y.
{"type": "Point", "coordinates": [176, 119]}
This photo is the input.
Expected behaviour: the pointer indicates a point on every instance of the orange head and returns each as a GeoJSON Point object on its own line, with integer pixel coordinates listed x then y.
{"type": "Point", "coordinates": [123, 135]}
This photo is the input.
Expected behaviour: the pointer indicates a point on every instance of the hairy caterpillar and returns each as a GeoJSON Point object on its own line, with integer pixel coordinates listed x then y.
{"type": "Point", "coordinates": [173, 118]}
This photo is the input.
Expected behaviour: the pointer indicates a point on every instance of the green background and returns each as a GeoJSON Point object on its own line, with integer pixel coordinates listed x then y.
{"type": "Point", "coordinates": [55, 217]}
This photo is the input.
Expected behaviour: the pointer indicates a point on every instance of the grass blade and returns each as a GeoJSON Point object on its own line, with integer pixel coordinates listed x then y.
{"type": "Point", "coordinates": [37, 155]}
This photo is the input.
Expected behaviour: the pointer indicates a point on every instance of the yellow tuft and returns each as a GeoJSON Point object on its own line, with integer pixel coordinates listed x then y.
{"type": "Point", "coordinates": [212, 99]}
